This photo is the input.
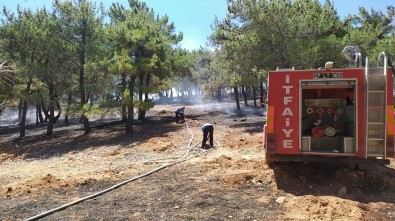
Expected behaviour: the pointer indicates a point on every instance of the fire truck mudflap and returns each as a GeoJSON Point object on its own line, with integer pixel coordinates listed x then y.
{"type": "Point", "coordinates": [330, 115]}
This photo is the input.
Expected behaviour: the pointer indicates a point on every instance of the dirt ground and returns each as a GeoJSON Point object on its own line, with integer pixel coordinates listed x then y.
{"type": "Point", "coordinates": [228, 182]}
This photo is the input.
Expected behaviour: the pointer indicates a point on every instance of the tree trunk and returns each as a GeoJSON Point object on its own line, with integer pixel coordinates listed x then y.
{"type": "Point", "coordinates": [20, 109]}
{"type": "Point", "coordinates": [84, 117]}
{"type": "Point", "coordinates": [254, 95]}
{"type": "Point", "coordinates": [261, 94]}
{"type": "Point", "coordinates": [236, 91]}
{"type": "Point", "coordinates": [123, 88]}
{"type": "Point", "coordinates": [51, 108]}
{"type": "Point", "coordinates": [143, 110]}
{"type": "Point", "coordinates": [219, 94]}
{"type": "Point", "coordinates": [22, 131]}
{"type": "Point", "coordinates": [38, 110]}
{"type": "Point", "coordinates": [85, 120]}
{"type": "Point", "coordinates": [244, 96]}
{"type": "Point", "coordinates": [37, 122]}
{"type": "Point", "coordinates": [66, 116]}
{"type": "Point", "coordinates": [141, 92]}
{"type": "Point", "coordinates": [56, 118]}
{"type": "Point", "coordinates": [40, 113]}
{"type": "Point", "coordinates": [45, 111]}
{"type": "Point", "coordinates": [189, 92]}
{"type": "Point", "coordinates": [129, 121]}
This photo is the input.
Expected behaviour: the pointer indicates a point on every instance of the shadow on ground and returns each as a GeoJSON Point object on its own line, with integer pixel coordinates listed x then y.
{"type": "Point", "coordinates": [371, 183]}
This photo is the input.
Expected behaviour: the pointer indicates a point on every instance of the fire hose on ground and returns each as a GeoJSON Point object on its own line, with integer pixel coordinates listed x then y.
{"type": "Point", "coordinates": [174, 160]}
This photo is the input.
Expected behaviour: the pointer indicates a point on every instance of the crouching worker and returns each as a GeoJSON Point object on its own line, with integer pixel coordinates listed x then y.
{"type": "Point", "coordinates": [180, 114]}
{"type": "Point", "coordinates": [208, 132]}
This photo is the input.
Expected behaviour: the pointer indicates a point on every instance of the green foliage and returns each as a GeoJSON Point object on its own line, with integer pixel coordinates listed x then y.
{"type": "Point", "coordinates": [127, 97]}
{"type": "Point", "coordinates": [140, 48]}
{"type": "Point", "coordinates": [93, 110]}
{"type": "Point", "coordinates": [373, 32]}
{"type": "Point", "coordinates": [145, 105]}
{"type": "Point", "coordinates": [71, 49]}
{"type": "Point", "coordinates": [85, 108]}
{"type": "Point", "coordinates": [8, 88]}
{"type": "Point", "coordinates": [262, 35]}
{"type": "Point", "coordinates": [278, 33]}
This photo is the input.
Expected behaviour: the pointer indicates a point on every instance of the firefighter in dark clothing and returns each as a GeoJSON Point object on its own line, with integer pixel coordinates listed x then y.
{"type": "Point", "coordinates": [208, 132]}
{"type": "Point", "coordinates": [180, 112]}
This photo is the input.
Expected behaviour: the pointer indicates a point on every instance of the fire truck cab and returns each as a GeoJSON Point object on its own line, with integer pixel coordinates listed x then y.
{"type": "Point", "coordinates": [336, 115]}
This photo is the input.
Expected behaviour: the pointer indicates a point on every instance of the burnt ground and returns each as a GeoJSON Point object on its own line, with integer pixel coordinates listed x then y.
{"type": "Point", "coordinates": [228, 182]}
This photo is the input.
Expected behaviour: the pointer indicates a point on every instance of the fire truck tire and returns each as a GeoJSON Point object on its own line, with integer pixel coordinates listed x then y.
{"type": "Point", "coordinates": [268, 159]}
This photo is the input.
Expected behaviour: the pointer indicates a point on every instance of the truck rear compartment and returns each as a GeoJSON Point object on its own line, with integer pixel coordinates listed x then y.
{"type": "Point", "coordinates": [328, 116]}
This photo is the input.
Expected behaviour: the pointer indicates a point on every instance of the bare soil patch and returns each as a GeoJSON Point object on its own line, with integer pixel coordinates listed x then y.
{"type": "Point", "coordinates": [229, 182]}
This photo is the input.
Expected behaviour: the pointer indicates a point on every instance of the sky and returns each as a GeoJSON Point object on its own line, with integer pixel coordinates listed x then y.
{"type": "Point", "coordinates": [194, 17]}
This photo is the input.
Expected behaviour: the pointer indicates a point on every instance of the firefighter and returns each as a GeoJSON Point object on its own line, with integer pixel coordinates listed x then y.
{"type": "Point", "coordinates": [208, 132]}
{"type": "Point", "coordinates": [180, 112]}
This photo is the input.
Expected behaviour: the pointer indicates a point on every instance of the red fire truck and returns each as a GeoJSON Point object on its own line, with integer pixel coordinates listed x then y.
{"type": "Point", "coordinates": [335, 115]}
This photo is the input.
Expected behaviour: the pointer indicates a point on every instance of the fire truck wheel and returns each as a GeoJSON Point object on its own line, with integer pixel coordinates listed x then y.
{"type": "Point", "coordinates": [267, 159]}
